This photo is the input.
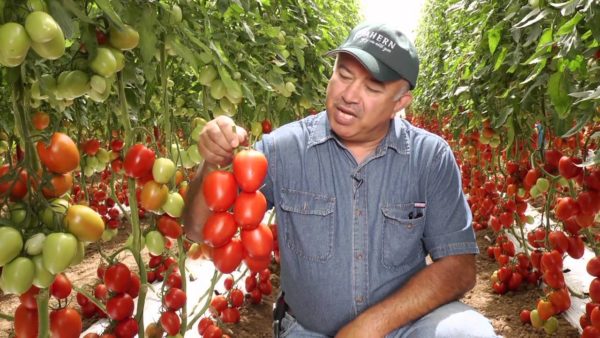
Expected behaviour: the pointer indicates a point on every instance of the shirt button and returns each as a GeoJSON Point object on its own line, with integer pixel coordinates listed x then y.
{"type": "Point", "coordinates": [359, 255]}
{"type": "Point", "coordinates": [409, 226]}
{"type": "Point", "coordinates": [359, 299]}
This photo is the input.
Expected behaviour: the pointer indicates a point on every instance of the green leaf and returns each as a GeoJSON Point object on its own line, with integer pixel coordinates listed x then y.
{"type": "Point", "coordinates": [248, 31]}
{"type": "Point", "coordinates": [494, 36]}
{"type": "Point", "coordinates": [558, 89]}
{"type": "Point", "coordinates": [147, 30]}
{"type": "Point", "coordinates": [527, 21]}
{"type": "Point", "coordinates": [248, 95]}
{"type": "Point", "coordinates": [185, 53]}
{"type": "Point", "coordinates": [586, 95]}
{"type": "Point", "coordinates": [538, 69]}
{"type": "Point", "coordinates": [510, 134]}
{"type": "Point", "coordinates": [62, 17]}
{"type": "Point", "coordinates": [107, 8]}
{"type": "Point", "coordinates": [76, 9]}
{"type": "Point", "coordinates": [500, 58]}
{"type": "Point", "coordinates": [581, 122]}
{"type": "Point", "coordinates": [569, 25]}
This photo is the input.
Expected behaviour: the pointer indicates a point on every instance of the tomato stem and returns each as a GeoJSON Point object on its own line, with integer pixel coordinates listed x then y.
{"type": "Point", "coordinates": [181, 263]}
{"type": "Point", "coordinates": [43, 318]}
{"type": "Point", "coordinates": [209, 291]}
{"type": "Point", "coordinates": [91, 298]}
{"type": "Point", "coordinates": [6, 317]}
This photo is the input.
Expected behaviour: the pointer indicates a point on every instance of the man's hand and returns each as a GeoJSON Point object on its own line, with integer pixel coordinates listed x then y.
{"type": "Point", "coordinates": [219, 138]}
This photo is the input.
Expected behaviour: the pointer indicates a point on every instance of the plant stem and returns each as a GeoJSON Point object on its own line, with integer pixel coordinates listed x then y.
{"type": "Point", "coordinates": [43, 319]}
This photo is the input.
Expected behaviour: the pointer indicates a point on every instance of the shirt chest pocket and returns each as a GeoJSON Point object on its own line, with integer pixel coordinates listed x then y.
{"type": "Point", "coordinates": [402, 245]}
{"type": "Point", "coordinates": [308, 220]}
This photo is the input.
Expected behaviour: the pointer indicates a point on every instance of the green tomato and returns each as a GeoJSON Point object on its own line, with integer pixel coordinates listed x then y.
{"type": "Point", "coordinates": [195, 134]}
{"type": "Point", "coordinates": [175, 14]}
{"type": "Point", "coordinates": [163, 170]}
{"type": "Point", "coordinates": [194, 154]}
{"type": "Point", "coordinates": [52, 49]}
{"type": "Point", "coordinates": [176, 153]}
{"type": "Point", "coordinates": [54, 213]}
{"type": "Point", "coordinates": [119, 57]}
{"type": "Point", "coordinates": [217, 89]}
{"type": "Point", "coordinates": [17, 276]}
{"type": "Point", "coordinates": [103, 156]}
{"type": "Point", "coordinates": [15, 44]}
{"type": "Point", "coordinates": [43, 278]}
{"type": "Point", "coordinates": [129, 242]}
{"type": "Point", "coordinates": [35, 243]}
{"type": "Point", "coordinates": [109, 234]}
{"type": "Point", "coordinates": [256, 128]}
{"type": "Point", "coordinates": [80, 255]}
{"type": "Point", "coordinates": [11, 244]}
{"type": "Point", "coordinates": [186, 160]}
{"type": "Point", "coordinates": [18, 213]}
{"type": "Point", "coordinates": [104, 63]}
{"type": "Point", "coordinates": [174, 205]}
{"type": "Point", "coordinates": [551, 325]}
{"type": "Point", "coordinates": [534, 191]}
{"type": "Point", "coordinates": [41, 27]}
{"type": "Point", "coordinates": [37, 5]}
{"type": "Point", "coordinates": [58, 251]}
{"type": "Point", "coordinates": [155, 242]}
{"type": "Point", "coordinates": [72, 84]}
{"type": "Point", "coordinates": [543, 184]}
{"type": "Point", "coordinates": [124, 39]}
{"type": "Point", "coordinates": [98, 83]}
{"type": "Point", "coordinates": [536, 321]}
{"type": "Point", "coordinates": [207, 75]}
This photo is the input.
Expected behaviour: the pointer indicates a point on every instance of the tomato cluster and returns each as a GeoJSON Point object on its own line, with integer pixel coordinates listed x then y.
{"type": "Point", "coordinates": [220, 190]}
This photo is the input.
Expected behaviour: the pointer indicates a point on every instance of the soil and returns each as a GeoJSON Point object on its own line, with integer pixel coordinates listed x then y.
{"type": "Point", "coordinates": [255, 322]}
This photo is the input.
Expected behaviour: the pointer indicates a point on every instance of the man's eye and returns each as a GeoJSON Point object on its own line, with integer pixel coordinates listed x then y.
{"type": "Point", "coordinates": [374, 89]}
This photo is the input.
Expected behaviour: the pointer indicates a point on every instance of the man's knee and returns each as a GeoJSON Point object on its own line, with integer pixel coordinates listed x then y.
{"type": "Point", "coordinates": [452, 320]}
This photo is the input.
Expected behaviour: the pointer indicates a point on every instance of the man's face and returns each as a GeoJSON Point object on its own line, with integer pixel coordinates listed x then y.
{"type": "Point", "coordinates": [359, 107]}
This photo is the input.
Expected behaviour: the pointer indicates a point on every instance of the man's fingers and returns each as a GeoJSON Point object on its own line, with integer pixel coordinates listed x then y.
{"type": "Point", "coordinates": [229, 131]}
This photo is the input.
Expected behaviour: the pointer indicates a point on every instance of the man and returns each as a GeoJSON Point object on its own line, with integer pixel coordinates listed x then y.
{"type": "Point", "coordinates": [362, 197]}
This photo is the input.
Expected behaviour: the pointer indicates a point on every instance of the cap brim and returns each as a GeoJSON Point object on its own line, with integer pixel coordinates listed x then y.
{"type": "Point", "coordinates": [379, 70]}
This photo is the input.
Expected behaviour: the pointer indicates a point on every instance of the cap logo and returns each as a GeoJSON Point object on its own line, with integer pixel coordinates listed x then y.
{"type": "Point", "coordinates": [379, 40]}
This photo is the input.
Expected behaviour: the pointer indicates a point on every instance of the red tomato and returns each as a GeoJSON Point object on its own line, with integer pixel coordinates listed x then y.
{"type": "Point", "coordinates": [61, 156]}
{"type": "Point", "coordinates": [265, 287]}
{"type": "Point", "coordinates": [257, 264]}
{"type": "Point", "coordinates": [59, 185]}
{"type": "Point", "coordinates": [266, 126]}
{"type": "Point", "coordinates": [40, 120]}
{"type": "Point", "coordinates": [213, 331]}
{"type": "Point", "coordinates": [219, 229]}
{"type": "Point", "coordinates": [17, 186]}
{"type": "Point", "coordinates": [230, 315]}
{"type": "Point", "coordinates": [595, 290]}
{"type": "Point", "coordinates": [566, 207]}
{"type": "Point", "coordinates": [169, 226]}
{"type": "Point", "coordinates": [65, 323]}
{"type": "Point", "coordinates": [576, 247]}
{"type": "Point", "coordinates": [236, 296]}
{"type": "Point", "coordinates": [220, 190]}
{"type": "Point", "coordinates": [91, 146]}
{"type": "Point", "coordinates": [228, 282]}
{"type": "Point", "coordinates": [558, 241]}
{"type": "Point", "coordinates": [258, 242]}
{"type": "Point", "coordinates": [249, 209]}
{"type": "Point", "coordinates": [560, 299]}
{"type": "Point", "coordinates": [26, 321]}
{"type": "Point", "coordinates": [139, 161]}
{"type": "Point", "coordinates": [228, 257]}
{"type": "Point", "coordinates": [61, 287]}
{"type": "Point", "coordinates": [169, 320]}
{"type": "Point", "coordinates": [250, 169]}
{"type": "Point", "coordinates": [567, 167]}
{"type": "Point", "coordinates": [116, 145]}
{"type": "Point", "coordinates": [250, 283]}
{"type": "Point", "coordinates": [545, 309]}
{"type": "Point", "coordinates": [120, 306]}
{"type": "Point", "coordinates": [174, 280]}
{"type": "Point", "coordinates": [134, 285]}
{"type": "Point", "coordinates": [174, 299]}
{"type": "Point", "coordinates": [100, 292]}
{"type": "Point", "coordinates": [127, 328]}
{"type": "Point", "coordinates": [204, 323]}
{"type": "Point", "coordinates": [28, 298]}
{"type": "Point", "coordinates": [525, 316]}
{"type": "Point", "coordinates": [117, 277]}
{"type": "Point", "coordinates": [218, 303]}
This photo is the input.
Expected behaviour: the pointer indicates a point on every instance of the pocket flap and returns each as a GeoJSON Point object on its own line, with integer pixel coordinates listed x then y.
{"type": "Point", "coordinates": [306, 202]}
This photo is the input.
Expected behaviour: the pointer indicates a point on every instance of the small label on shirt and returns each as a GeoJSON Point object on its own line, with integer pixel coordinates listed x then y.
{"type": "Point", "coordinates": [420, 204]}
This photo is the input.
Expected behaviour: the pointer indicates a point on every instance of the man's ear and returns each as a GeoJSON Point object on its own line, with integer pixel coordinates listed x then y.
{"type": "Point", "coordinates": [402, 102]}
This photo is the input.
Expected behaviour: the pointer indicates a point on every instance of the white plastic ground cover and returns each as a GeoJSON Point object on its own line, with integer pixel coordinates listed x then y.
{"type": "Point", "coordinates": [201, 272]}
{"type": "Point", "coordinates": [577, 279]}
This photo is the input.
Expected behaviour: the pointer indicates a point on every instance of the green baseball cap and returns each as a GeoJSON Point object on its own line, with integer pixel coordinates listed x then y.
{"type": "Point", "coordinates": [384, 50]}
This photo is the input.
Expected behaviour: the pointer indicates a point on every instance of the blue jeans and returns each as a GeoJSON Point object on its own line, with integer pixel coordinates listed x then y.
{"type": "Point", "coordinates": [453, 320]}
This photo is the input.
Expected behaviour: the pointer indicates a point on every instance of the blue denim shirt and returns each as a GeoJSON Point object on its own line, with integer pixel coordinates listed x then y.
{"type": "Point", "coordinates": [351, 234]}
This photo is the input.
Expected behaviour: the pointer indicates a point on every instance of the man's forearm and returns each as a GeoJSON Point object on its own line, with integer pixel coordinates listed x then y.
{"type": "Point", "coordinates": [196, 212]}
{"type": "Point", "coordinates": [439, 283]}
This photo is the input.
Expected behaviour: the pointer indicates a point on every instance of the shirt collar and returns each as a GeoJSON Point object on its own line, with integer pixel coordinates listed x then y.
{"type": "Point", "coordinates": [397, 138]}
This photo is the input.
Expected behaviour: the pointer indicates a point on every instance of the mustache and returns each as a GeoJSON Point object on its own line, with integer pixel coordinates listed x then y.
{"type": "Point", "coordinates": [352, 109]}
